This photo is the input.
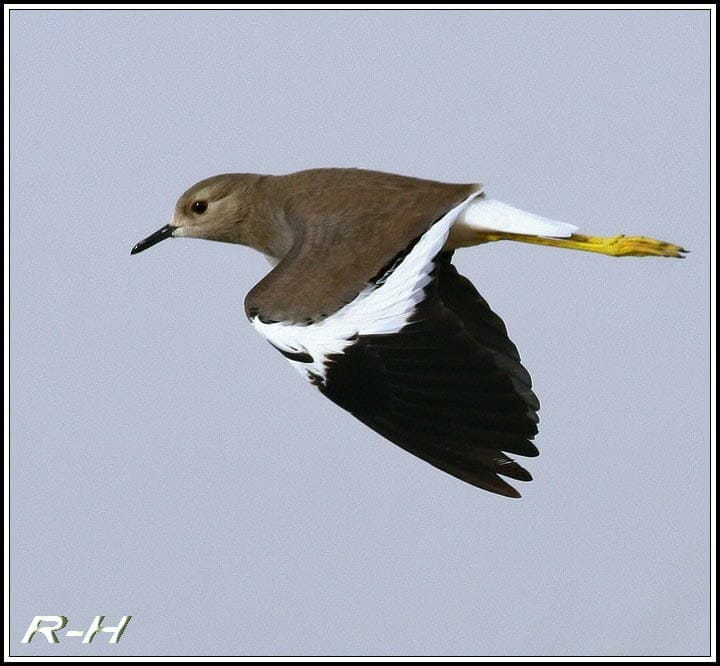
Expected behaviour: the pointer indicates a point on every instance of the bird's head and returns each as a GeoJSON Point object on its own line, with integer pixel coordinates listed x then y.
{"type": "Point", "coordinates": [217, 208]}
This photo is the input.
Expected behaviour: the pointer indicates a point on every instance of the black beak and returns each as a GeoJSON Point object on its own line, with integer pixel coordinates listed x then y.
{"type": "Point", "coordinates": [160, 234]}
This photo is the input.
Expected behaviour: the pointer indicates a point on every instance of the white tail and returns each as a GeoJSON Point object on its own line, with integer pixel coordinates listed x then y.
{"type": "Point", "coordinates": [483, 214]}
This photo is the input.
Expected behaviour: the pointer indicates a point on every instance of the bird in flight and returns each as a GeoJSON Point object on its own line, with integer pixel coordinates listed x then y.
{"type": "Point", "coordinates": [364, 301]}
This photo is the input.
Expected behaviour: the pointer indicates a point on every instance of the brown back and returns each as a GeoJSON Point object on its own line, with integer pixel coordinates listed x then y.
{"type": "Point", "coordinates": [347, 225]}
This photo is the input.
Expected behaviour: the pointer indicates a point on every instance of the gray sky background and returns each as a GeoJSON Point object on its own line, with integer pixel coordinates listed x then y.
{"type": "Point", "coordinates": [168, 464]}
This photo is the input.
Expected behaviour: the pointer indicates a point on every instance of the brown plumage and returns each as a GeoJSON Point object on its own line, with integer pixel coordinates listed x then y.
{"type": "Point", "coordinates": [365, 303]}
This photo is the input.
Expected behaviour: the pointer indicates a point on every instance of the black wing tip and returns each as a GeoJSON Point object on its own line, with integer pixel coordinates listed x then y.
{"type": "Point", "coordinates": [503, 489]}
{"type": "Point", "coordinates": [532, 451]}
{"type": "Point", "coordinates": [515, 471]}
{"type": "Point", "coordinates": [513, 494]}
{"type": "Point", "coordinates": [482, 477]}
{"type": "Point", "coordinates": [521, 447]}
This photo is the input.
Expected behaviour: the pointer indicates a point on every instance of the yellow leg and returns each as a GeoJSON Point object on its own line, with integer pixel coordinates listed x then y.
{"type": "Point", "coordinates": [615, 246]}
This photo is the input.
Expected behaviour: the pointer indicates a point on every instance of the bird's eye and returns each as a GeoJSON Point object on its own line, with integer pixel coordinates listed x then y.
{"type": "Point", "coordinates": [199, 207]}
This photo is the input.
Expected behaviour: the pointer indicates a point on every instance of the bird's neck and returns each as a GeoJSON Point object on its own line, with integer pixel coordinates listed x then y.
{"type": "Point", "coordinates": [271, 232]}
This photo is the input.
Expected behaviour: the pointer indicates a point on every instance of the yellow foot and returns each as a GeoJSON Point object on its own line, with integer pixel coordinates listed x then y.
{"type": "Point", "coordinates": [625, 246]}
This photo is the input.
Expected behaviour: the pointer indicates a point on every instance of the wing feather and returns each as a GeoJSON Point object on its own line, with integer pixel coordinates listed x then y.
{"type": "Point", "coordinates": [421, 358]}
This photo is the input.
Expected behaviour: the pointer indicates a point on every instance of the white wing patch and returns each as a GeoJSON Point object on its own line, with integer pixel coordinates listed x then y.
{"type": "Point", "coordinates": [491, 215]}
{"type": "Point", "coordinates": [375, 310]}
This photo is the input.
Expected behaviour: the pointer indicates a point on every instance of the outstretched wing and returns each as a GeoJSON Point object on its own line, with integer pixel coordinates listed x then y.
{"type": "Point", "coordinates": [420, 358]}
{"type": "Point", "coordinates": [447, 387]}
